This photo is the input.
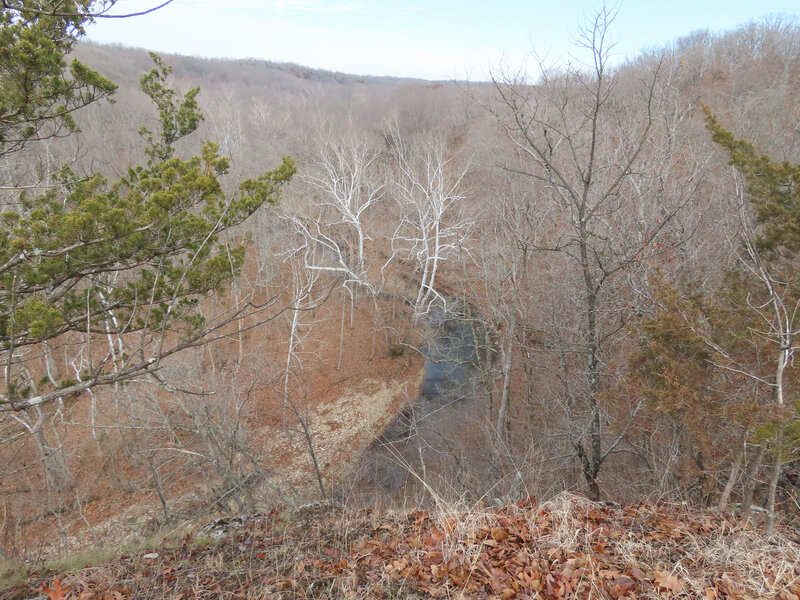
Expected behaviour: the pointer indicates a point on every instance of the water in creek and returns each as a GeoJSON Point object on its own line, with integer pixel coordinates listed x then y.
{"type": "Point", "coordinates": [429, 428]}
{"type": "Point", "coordinates": [449, 362]}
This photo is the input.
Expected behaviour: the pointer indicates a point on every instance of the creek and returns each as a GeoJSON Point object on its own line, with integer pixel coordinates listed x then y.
{"type": "Point", "coordinates": [450, 361]}
{"type": "Point", "coordinates": [446, 402]}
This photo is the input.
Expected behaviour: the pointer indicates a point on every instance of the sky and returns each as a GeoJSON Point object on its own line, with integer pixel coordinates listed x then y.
{"type": "Point", "coordinates": [429, 39]}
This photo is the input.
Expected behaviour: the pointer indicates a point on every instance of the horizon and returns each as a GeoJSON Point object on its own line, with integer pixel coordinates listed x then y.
{"type": "Point", "coordinates": [441, 41]}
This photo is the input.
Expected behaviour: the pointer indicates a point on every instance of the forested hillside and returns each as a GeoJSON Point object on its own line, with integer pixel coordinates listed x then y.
{"type": "Point", "coordinates": [295, 285]}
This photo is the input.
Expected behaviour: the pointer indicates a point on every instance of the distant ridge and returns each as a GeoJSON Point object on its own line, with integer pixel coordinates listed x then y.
{"type": "Point", "coordinates": [293, 69]}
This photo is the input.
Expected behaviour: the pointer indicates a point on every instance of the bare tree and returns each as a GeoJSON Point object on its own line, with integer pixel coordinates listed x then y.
{"type": "Point", "coordinates": [335, 229]}
{"type": "Point", "coordinates": [306, 296]}
{"type": "Point", "coordinates": [432, 227]}
{"type": "Point", "coordinates": [344, 173]}
{"type": "Point", "coordinates": [595, 148]}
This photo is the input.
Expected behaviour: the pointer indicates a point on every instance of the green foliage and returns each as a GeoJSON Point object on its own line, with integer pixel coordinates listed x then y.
{"type": "Point", "coordinates": [160, 224]}
{"type": "Point", "coordinates": [38, 91]}
{"type": "Point", "coordinates": [680, 366]}
{"type": "Point", "coordinates": [781, 432]}
{"type": "Point", "coordinates": [177, 119]}
{"type": "Point", "coordinates": [97, 257]}
{"type": "Point", "coordinates": [773, 188]}
{"type": "Point", "coordinates": [709, 359]}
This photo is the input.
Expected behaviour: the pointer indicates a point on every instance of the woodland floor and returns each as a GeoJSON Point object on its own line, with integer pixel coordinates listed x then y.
{"type": "Point", "coordinates": [565, 548]}
{"type": "Point", "coordinates": [345, 409]}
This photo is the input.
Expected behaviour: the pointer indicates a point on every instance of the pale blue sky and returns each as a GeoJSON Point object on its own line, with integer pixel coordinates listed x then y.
{"type": "Point", "coordinates": [433, 39]}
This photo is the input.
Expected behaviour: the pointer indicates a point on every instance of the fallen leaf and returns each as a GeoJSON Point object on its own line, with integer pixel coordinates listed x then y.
{"type": "Point", "coordinates": [499, 534]}
{"type": "Point", "coordinates": [609, 574]}
{"type": "Point", "coordinates": [731, 585]}
{"type": "Point", "coordinates": [667, 581]}
{"type": "Point", "coordinates": [622, 585]}
{"type": "Point", "coordinates": [57, 592]}
{"type": "Point", "coordinates": [638, 575]}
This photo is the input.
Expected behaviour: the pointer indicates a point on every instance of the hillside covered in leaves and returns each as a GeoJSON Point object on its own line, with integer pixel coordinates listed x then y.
{"type": "Point", "coordinates": [246, 288]}
{"type": "Point", "coordinates": [565, 548]}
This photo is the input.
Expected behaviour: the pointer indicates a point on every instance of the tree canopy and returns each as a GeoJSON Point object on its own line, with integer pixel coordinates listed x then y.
{"type": "Point", "coordinates": [91, 259]}
{"type": "Point", "coordinates": [39, 91]}
{"type": "Point", "coordinates": [719, 361]}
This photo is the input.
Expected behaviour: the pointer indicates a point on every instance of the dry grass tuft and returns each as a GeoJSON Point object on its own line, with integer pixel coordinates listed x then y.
{"type": "Point", "coordinates": [567, 547]}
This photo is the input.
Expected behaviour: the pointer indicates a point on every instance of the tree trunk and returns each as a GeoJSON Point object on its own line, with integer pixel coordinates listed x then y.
{"type": "Point", "coordinates": [311, 451]}
{"type": "Point", "coordinates": [750, 481]}
{"type": "Point", "coordinates": [594, 488]}
{"type": "Point", "coordinates": [353, 309]}
{"type": "Point", "coordinates": [726, 493]}
{"type": "Point", "coordinates": [590, 471]}
{"type": "Point", "coordinates": [288, 368]}
{"type": "Point", "coordinates": [502, 413]}
{"type": "Point", "coordinates": [158, 485]}
{"type": "Point", "coordinates": [341, 337]}
{"type": "Point", "coordinates": [773, 487]}
{"type": "Point", "coordinates": [56, 474]}
{"type": "Point", "coordinates": [594, 460]}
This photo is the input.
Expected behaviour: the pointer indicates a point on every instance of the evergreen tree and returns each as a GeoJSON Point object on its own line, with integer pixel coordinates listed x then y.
{"type": "Point", "coordinates": [39, 91]}
{"type": "Point", "coordinates": [773, 250]}
{"type": "Point", "coordinates": [94, 259]}
{"type": "Point", "coordinates": [727, 355]}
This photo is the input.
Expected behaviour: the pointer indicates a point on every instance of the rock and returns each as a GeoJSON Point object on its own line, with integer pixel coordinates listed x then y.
{"type": "Point", "coordinates": [220, 528]}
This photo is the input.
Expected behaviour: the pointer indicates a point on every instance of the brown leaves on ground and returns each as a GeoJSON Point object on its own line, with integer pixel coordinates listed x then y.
{"type": "Point", "coordinates": [57, 592]}
{"type": "Point", "coordinates": [569, 548]}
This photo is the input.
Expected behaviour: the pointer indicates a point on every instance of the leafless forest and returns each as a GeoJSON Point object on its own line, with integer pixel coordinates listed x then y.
{"type": "Point", "coordinates": [472, 292]}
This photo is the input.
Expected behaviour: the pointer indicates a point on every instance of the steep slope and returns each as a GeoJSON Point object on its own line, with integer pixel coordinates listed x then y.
{"type": "Point", "coordinates": [564, 548]}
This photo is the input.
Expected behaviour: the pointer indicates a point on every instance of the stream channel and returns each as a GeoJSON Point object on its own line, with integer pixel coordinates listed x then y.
{"type": "Point", "coordinates": [446, 399]}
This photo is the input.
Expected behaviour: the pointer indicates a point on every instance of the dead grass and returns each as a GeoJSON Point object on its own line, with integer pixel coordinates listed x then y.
{"type": "Point", "coordinates": [567, 547]}
{"type": "Point", "coordinates": [345, 410]}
